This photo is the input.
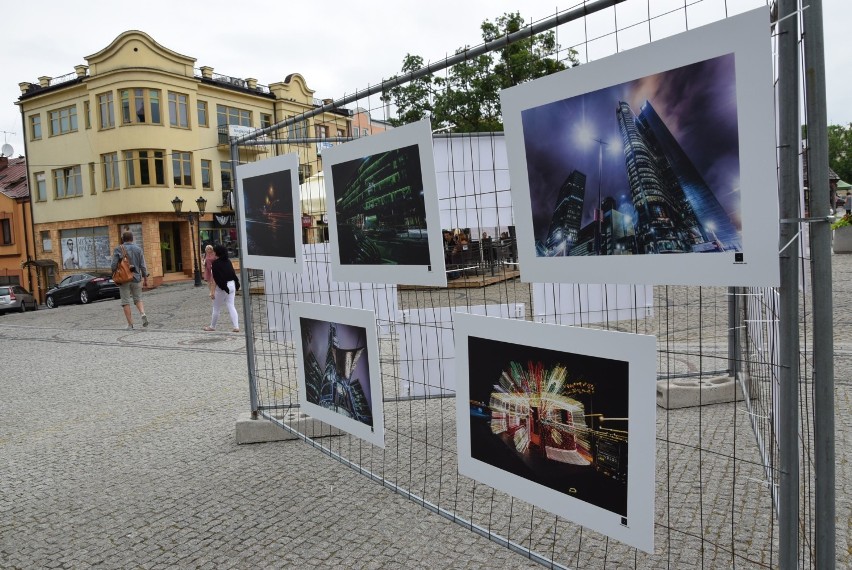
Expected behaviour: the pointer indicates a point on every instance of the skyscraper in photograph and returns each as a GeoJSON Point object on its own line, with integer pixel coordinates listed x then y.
{"type": "Point", "coordinates": [617, 235]}
{"type": "Point", "coordinates": [567, 215]}
{"type": "Point", "coordinates": [715, 224]}
{"type": "Point", "coordinates": [659, 214]}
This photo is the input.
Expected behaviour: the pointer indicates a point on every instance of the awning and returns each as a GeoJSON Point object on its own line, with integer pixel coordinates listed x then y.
{"type": "Point", "coordinates": [39, 263]}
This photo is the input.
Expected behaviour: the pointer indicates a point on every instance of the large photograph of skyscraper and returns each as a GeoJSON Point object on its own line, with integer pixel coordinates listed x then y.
{"type": "Point", "coordinates": [384, 221]}
{"type": "Point", "coordinates": [546, 413]}
{"type": "Point", "coordinates": [338, 368]}
{"type": "Point", "coordinates": [651, 167]}
{"type": "Point", "coordinates": [270, 213]}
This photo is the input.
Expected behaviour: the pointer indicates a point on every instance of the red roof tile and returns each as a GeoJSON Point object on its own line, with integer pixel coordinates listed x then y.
{"type": "Point", "coordinates": [13, 179]}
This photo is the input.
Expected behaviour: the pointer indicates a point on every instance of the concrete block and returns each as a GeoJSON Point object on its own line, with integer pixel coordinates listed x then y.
{"type": "Point", "coordinates": [689, 392]}
{"type": "Point", "coordinates": [263, 430]}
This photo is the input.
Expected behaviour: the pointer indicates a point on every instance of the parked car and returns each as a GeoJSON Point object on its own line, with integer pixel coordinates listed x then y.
{"type": "Point", "coordinates": [16, 298]}
{"type": "Point", "coordinates": [81, 288]}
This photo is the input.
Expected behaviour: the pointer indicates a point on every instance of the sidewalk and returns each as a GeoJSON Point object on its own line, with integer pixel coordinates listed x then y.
{"type": "Point", "coordinates": [118, 451]}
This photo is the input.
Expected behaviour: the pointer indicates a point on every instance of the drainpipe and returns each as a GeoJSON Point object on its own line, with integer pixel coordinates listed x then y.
{"type": "Point", "coordinates": [32, 218]}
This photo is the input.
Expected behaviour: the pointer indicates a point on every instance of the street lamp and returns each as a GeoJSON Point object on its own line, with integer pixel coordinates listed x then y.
{"type": "Point", "coordinates": [177, 204]}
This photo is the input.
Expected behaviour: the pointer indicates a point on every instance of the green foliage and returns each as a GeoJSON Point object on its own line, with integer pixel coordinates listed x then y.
{"type": "Point", "coordinates": [840, 150]}
{"type": "Point", "coordinates": [843, 222]}
{"type": "Point", "coordinates": [467, 97]}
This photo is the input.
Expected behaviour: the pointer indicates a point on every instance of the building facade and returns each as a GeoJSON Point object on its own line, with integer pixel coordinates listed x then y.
{"type": "Point", "coordinates": [110, 146]}
{"type": "Point", "coordinates": [16, 245]}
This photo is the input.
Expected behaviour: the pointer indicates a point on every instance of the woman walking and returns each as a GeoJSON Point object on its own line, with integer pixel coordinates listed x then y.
{"type": "Point", "coordinates": [223, 288]}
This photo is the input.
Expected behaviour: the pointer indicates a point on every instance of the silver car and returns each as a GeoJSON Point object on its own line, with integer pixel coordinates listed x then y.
{"type": "Point", "coordinates": [16, 298]}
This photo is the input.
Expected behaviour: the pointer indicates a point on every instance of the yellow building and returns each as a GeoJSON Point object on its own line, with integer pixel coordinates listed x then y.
{"type": "Point", "coordinates": [110, 146]}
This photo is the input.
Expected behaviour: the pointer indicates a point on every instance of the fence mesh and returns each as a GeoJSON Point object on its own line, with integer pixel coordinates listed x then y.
{"type": "Point", "coordinates": [716, 465]}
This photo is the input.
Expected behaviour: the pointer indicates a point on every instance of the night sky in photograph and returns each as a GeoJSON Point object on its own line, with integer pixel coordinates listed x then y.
{"type": "Point", "coordinates": [697, 103]}
{"type": "Point", "coordinates": [269, 214]}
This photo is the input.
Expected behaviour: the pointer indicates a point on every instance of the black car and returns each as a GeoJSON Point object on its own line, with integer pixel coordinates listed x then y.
{"type": "Point", "coordinates": [81, 288]}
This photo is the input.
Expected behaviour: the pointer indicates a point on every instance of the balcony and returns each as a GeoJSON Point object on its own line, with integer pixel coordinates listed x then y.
{"type": "Point", "coordinates": [227, 131]}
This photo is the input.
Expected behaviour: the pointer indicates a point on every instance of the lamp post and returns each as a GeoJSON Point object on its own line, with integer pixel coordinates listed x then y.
{"type": "Point", "coordinates": [177, 204]}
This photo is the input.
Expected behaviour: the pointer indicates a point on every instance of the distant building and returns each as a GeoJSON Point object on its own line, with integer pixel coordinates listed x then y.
{"type": "Point", "coordinates": [112, 144]}
{"type": "Point", "coordinates": [567, 215]}
{"type": "Point", "coordinates": [16, 230]}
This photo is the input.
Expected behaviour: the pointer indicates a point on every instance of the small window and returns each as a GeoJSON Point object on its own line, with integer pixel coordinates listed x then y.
{"type": "Point", "coordinates": [68, 182]}
{"type": "Point", "coordinates": [110, 166]}
{"type": "Point", "coordinates": [106, 110]}
{"type": "Point", "coordinates": [265, 120]}
{"type": "Point", "coordinates": [182, 168]}
{"type": "Point", "coordinates": [232, 116]}
{"type": "Point", "coordinates": [46, 242]}
{"type": "Point", "coordinates": [178, 110]}
{"type": "Point", "coordinates": [35, 127]}
{"type": "Point", "coordinates": [206, 166]}
{"type": "Point", "coordinates": [41, 187]}
{"type": "Point", "coordinates": [87, 119]}
{"type": "Point", "coordinates": [355, 132]}
{"type": "Point", "coordinates": [92, 186]}
{"type": "Point", "coordinates": [6, 231]}
{"type": "Point", "coordinates": [63, 121]}
{"type": "Point", "coordinates": [203, 121]}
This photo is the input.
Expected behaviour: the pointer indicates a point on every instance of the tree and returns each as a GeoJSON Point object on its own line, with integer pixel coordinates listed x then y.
{"type": "Point", "coordinates": [840, 150]}
{"type": "Point", "coordinates": [467, 97]}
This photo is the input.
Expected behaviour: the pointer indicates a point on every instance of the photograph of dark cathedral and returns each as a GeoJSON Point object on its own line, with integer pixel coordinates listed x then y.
{"type": "Point", "coordinates": [337, 369]}
{"type": "Point", "coordinates": [559, 419]}
{"type": "Point", "coordinates": [643, 167]}
{"type": "Point", "coordinates": [269, 219]}
{"type": "Point", "coordinates": [380, 209]}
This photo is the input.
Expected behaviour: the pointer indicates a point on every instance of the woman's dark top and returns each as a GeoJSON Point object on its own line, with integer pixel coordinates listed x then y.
{"type": "Point", "coordinates": [223, 272]}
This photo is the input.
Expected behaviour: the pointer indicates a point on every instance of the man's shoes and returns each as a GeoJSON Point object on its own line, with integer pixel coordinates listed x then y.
{"type": "Point", "coordinates": [144, 320]}
{"type": "Point", "coordinates": [208, 328]}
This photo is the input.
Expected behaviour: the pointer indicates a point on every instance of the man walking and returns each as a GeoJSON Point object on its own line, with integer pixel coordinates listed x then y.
{"type": "Point", "coordinates": [132, 289]}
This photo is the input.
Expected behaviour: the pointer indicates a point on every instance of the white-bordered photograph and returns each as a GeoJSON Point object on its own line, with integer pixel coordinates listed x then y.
{"type": "Point", "coordinates": [383, 220]}
{"type": "Point", "coordinates": [668, 148]}
{"type": "Point", "coordinates": [563, 418]}
{"type": "Point", "coordinates": [270, 215]}
{"type": "Point", "coordinates": [339, 378]}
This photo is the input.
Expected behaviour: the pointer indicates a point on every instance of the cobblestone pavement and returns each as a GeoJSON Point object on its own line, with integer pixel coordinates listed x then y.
{"type": "Point", "coordinates": [118, 451]}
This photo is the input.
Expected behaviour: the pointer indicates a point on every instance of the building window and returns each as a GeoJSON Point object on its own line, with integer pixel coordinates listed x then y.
{"type": "Point", "coordinates": [365, 132]}
{"type": "Point", "coordinates": [106, 110]}
{"type": "Point", "coordinates": [63, 121]}
{"type": "Point", "coordinates": [182, 168]}
{"type": "Point", "coordinates": [110, 164]}
{"type": "Point", "coordinates": [86, 248]}
{"type": "Point", "coordinates": [46, 242]}
{"type": "Point", "coordinates": [355, 132]}
{"type": "Point", "coordinates": [87, 119]}
{"type": "Point", "coordinates": [265, 120]}
{"type": "Point", "coordinates": [41, 187]}
{"type": "Point", "coordinates": [178, 110]}
{"type": "Point", "coordinates": [341, 133]}
{"type": "Point", "coordinates": [321, 131]}
{"type": "Point", "coordinates": [227, 178]}
{"type": "Point", "coordinates": [6, 230]}
{"type": "Point", "coordinates": [232, 116]}
{"type": "Point", "coordinates": [92, 185]}
{"type": "Point", "coordinates": [145, 167]}
{"type": "Point", "coordinates": [68, 182]}
{"type": "Point", "coordinates": [206, 166]}
{"type": "Point", "coordinates": [140, 106]}
{"type": "Point", "coordinates": [298, 130]}
{"type": "Point", "coordinates": [35, 127]}
{"type": "Point", "coordinates": [202, 114]}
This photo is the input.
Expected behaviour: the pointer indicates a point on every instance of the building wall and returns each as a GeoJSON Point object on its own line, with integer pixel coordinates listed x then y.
{"type": "Point", "coordinates": [14, 254]}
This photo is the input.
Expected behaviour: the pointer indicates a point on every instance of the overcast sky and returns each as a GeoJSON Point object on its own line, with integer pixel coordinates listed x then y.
{"type": "Point", "coordinates": [340, 47]}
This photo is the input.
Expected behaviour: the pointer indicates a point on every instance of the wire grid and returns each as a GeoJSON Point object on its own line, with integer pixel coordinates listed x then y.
{"type": "Point", "coordinates": [716, 465]}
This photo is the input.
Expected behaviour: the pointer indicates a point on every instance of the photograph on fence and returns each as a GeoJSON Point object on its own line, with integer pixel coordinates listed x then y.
{"type": "Point", "coordinates": [270, 216]}
{"type": "Point", "coordinates": [561, 417]}
{"type": "Point", "coordinates": [664, 149]}
{"type": "Point", "coordinates": [384, 225]}
{"type": "Point", "coordinates": [339, 378]}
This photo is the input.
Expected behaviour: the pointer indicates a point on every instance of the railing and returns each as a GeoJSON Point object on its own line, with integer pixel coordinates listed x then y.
{"type": "Point", "coordinates": [235, 82]}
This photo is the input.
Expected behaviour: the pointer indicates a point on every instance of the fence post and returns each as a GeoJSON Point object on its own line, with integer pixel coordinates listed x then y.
{"type": "Point", "coordinates": [244, 278]}
{"type": "Point", "coordinates": [823, 330]}
{"type": "Point", "coordinates": [788, 398]}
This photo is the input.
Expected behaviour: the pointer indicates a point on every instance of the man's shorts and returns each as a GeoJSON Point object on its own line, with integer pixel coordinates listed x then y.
{"type": "Point", "coordinates": [131, 290]}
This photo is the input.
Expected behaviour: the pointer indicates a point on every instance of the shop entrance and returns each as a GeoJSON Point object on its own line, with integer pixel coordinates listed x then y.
{"type": "Point", "coordinates": [170, 251]}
